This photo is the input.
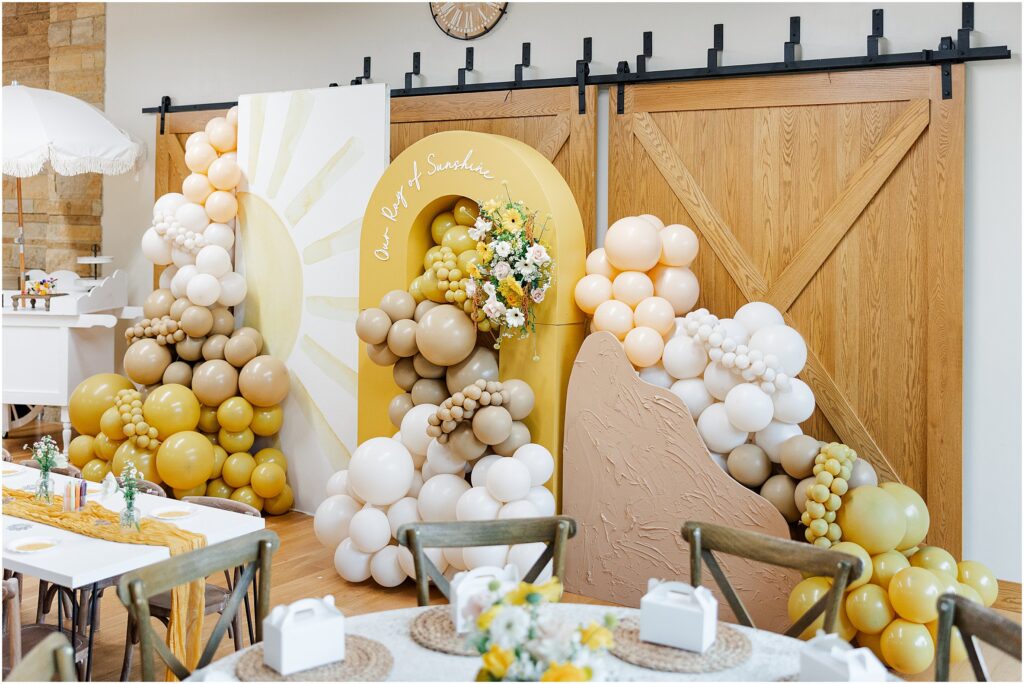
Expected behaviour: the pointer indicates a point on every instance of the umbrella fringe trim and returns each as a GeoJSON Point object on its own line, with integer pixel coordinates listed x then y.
{"type": "Point", "coordinates": [69, 166]}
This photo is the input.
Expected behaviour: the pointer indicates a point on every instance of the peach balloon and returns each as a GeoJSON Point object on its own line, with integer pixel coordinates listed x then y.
{"type": "Point", "coordinates": [592, 291]}
{"type": "Point", "coordinates": [632, 244]}
{"type": "Point", "coordinates": [196, 188]}
{"type": "Point", "coordinates": [224, 174]}
{"type": "Point", "coordinates": [223, 135]}
{"type": "Point", "coordinates": [631, 287]}
{"type": "Point", "coordinates": [195, 139]}
{"type": "Point", "coordinates": [678, 285]}
{"type": "Point", "coordinates": [221, 206]}
{"type": "Point", "coordinates": [644, 346]}
{"type": "Point", "coordinates": [232, 116]}
{"type": "Point", "coordinates": [199, 157]}
{"type": "Point", "coordinates": [615, 317]}
{"type": "Point", "coordinates": [597, 264]}
{"type": "Point", "coordinates": [653, 220]}
{"type": "Point", "coordinates": [657, 313]}
{"type": "Point", "coordinates": [678, 245]}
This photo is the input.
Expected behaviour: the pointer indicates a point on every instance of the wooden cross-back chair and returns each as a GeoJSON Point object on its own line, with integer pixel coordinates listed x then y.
{"type": "Point", "coordinates": [69, 470]}
{"type": "Point", "coordinates": [705, 538]}
{"type": "Point", "coordinates": [53, 658]}
{"type": "Point", "coordinates": [252, 551]}
{"type": "Point", "coordinates": [973, 621]}
{"type": "Point", "coordinates": [554, 531]}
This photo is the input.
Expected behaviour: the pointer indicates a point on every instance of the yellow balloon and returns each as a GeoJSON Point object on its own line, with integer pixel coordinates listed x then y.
{"type": "Point", "coordinates": [947, 584]}
{"type": "Point", "coordinates": [913, 593]}
{"type": "Point", "coordinates": [247, 495]}
{"type": "Point", "coordinates": [144, 461]}
{"type": "Point", "coordinates": [103, 447]}
{"type": "Point", "coordinates": [95, 470]}
{"type": "Point", "coordinates": [458, 239]}
{"type": "Point", "coordinates": [208, 419]}
{"type": "Point", "coordinates": [872, 518]}
{"type": "Point", "coordinates": [934, 558]}
{"type": "Point", "coordinates": [414, 290]}
{"type": "Point", "coordinates": [907, 647]}
{"type": "Point", "coordinates": [198, 490]}
{"type": "Point", "coordinates": [856, 551]}
{"type": "Point", "coordinates": [234, 442]}
{"type": "Point", "coordinates": [267, 420]}
{"type": "Point", "coordinates": [237, 470]}
{"type": "Point", "coordinates": [468, 258]}
{"type": "Point", "coordinates": [804, 595]}
{"type": "Point", "coordinates": [170, 409]}
{"type": "Point", "coordinates": [270, 455]}
{"type": "Point", "coordinates": [885, 565]}
{"type": "Point", "coordinates": [268, 480]}
{"type": "Point", "coordinates": [957, 650]}
{"type": "Point", "coordinates": [914, 511]}
{"type": "Point", "coordinates": [235, 414]}
{"type": "Point", "coordinates": [440, 225]}
{"type": "Point", "coordinates": [432, 254]}
{"type": "Point", "coordinates": [465, 212]}
{"type": "Point", "coordinates": [978, 577]}
{"type": "Point", "coordinates": [873, 642]}
{"type": "Point", "coordinates": [869, 609]}
{"type": "Point", "coordinates": [80, 451]}
{"type": "Point", "coordinates": [219, 488]}
{"type": "Point", "coordinates": [429, 287]}
{"type": "Point", "coordinates": [185, 459]}
{"type": "Point", "coordinates": [111, 424]}
{"type": "Point", "coordinates": [219, 456]}
{"type": "Point", "coordinates": [92, 398]}
{"type": "Point", "coordinates": [280, 504]}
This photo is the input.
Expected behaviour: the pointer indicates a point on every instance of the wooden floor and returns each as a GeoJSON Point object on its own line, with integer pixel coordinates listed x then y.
{"type": "Point", "coordinates": [303, 568]}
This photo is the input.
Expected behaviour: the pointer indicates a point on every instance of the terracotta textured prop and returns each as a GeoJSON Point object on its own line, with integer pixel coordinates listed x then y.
{"type": "Point", "coordinates": [634, 470]}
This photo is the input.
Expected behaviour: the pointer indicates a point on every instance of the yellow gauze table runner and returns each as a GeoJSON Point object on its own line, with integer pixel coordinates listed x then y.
{"type": "Point", "coordinates": [187, 601]}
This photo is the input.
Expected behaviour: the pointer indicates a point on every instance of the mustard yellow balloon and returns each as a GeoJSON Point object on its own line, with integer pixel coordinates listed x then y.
{"type": "Point", "coordinates": [804, 595]}
{"type": "Point", "coordinates": [433, 254]}
{"type": "Point", "coordinates": [934, 558]}
{"type": "Point", "coordinates": [80, 451]}
{"type": "Point", "coordinates": [468, 258]}
{"type": "Point", "coordinates": [171, 409]}
{"type": "Point", "coordinates": [957, 650]}
{"type": "Point", "coordinates": [219, 488]}
{"type": "Point", "coordinates": [885, 565]}
{"type": "Point", "coordinates": [198, 490]}
{"type": "Point", "coordinates": [234, 442]}
{"type": "Point", "coordinates": [907, 647]}
{"type": "Point", "coordinates": [857, 551]}
{"type": "Point", "coordinates": [914, 511]}
{"type": "Point", "coordinates": [271, 455]}
{"type": "Point", "coordinates": [947, 585]}
{"type": "Point", "coordinates": [103, 447]}
{"type": "Point", "coordinates": [267, 420]}
{"type": "Point", "coordinates": [440, 225]}
{"type": "Point", "coordinates": [237, 470]}
{"type": "Point", "coordinates": [247, 495]}
{"type": "Point", "coordinates": [235, 414]}
{"type": "Point", "coordinates": [913, 593]}
{"type": "Point", "coordinates": [465, 212]}
{"type": "Point", "coordinates": [969, 593]}
{"type": "Point", "coordinates": [95, 470]}
{"type": "Point", "coordinates": [869, 609]}
{"type": "Point", "coordinates": [430, 289]}
{"type": "Point", "coordinates": [414, 290]}
{"type": "Point", "coordinates": [208, 419]}
{"type": "Point", "coordinates": [978, 577]}
{"type": "Point", "coordinates": [111, 424]}
{"type": "Point", "coordinates": [219, 456]}
{"type": "Point", "coordinates": [457, 238]}
{"type": "Point", "coordinates": [872, 642]}
{"type": "Point", "coordinates": [185, 459]}
{"type": "Point", "coordinates": [144, 461]}
{"type": "Point", "coordinates": [872, 518]}
{"type": "Point", "coordinates": [280, 504]}
{"type": "Point", "coordinates": [268, 480]}
{"type": "Point", "coordinates": [92, 398]}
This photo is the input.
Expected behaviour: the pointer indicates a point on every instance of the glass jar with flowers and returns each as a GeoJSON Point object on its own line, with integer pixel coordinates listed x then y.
{"type": "Point", "coordinates": [129, 490]}
{"type": "Point", "coordinates": [48, 456]}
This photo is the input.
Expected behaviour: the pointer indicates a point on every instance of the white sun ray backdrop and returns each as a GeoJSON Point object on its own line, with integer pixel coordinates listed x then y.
{"type": "Point", "coordinates": [310, 160]}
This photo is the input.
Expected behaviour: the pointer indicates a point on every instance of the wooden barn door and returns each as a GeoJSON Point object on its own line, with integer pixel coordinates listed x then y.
{"type": "Point", "coordinates": [547, 119]}
{"type": "Point", "coordinates": [838, 198]}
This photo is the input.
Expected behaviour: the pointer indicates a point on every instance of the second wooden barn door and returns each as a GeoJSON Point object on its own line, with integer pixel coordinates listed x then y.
{"type": "Point", "coordinates": [838, 198]}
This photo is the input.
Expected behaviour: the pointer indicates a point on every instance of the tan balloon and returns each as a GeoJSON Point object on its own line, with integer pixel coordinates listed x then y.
{"type": "Point", "coordinates": [678, 285]}
{"type": "Point", "coordinates": [492, 424]}
{"type": "Point", "coordinates": [239, 351]}
{"type": "Point", "coordinates": [464, 443]}
{"type": "Point", "coordinates": [214, 382]}
{"type": "Point", "coordinates": [251, 332]}
{"type": "Point", "coordinates": [749, 465]}
{"type": "Point", "coordinates": [197, 321]}
{"type": "Point", "coordinates": [482, 363]}
{"type": "Point", "coordinates": [398, 407]}
{"type": "Point", "coordinates": [592, 291]}
{"type": "Point", "coordinates": [264, 381]}
{"type": "Point", "coordinates": [213, 348]}
{"type": "Point", "coordinates": [178, 307]}
{"type": "Point", "coordinates": [779, 489]}
{"type": "Point", "coordinates": [405, 374]}
{"type": "Point", "coordinates": [422, 308]}
{"type": "Point", "coordinates": [615, 317]}
{"type": "Point", "coordinates": [521, 398]}
{"type": "Point", "coordinates": [429, 391]}
{"type": "Point", "coordinates": [655, 312]}
{"type": "Point", "coordinates": [372, 325]}
{"type": "Point", "coordinates": [800, 493]}
{"type": "Point", "coordinates": [518, 436]}
{"type": "Point", "coordinates": [223, 321]}
{"type": "Point", "coordinates": [797, 455]}
{"type": "Point", "coordinates": [445, 335]}
{"type": "Point", "coordinates": [398, 304]}
{"type": "Point", "coordinates": [402, 338]}
{"type": "Point", "coordinates": [145, 361]}
{"type": "Point", "coordinates": [178, 373]}
{"type": "Point", "coordinates": [190, 348]}
{"type": "Point", "coordinates": [425, 369]}
{"type": "Point", "coordinates": [631, 287]}
{"type": "Point", "coordinates": [221, 206]}
{"type": "Point", "coordinates": [643, 346]}
{"type": "Point", "coordinates": [158, 303]}
{"type": "Point", "coordinates": [381, 355]}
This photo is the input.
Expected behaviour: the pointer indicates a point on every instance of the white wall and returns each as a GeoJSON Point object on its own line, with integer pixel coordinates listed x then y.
{"type": "Point", "coordinates": [214, 52]}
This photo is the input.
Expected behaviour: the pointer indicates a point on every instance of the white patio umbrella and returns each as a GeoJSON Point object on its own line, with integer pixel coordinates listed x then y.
{"type": "Point", "coordinates": [43, 126]}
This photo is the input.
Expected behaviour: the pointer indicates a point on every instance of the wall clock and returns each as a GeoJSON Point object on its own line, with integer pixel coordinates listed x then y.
{"type": "Point", "coordinates": [467, 20]}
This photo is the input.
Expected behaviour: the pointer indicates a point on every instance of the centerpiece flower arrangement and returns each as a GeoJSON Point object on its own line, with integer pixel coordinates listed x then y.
{"type": "Point", "coordinates": [129, 490]}
{"type": "Point", "coordinates": [41, 287]}
{"type": "Point", "coordinates": [514, 271]}
{"type": "Point", "coordinates": [48, 456]}
{"type": "Point", "coordinates": [521, 642]}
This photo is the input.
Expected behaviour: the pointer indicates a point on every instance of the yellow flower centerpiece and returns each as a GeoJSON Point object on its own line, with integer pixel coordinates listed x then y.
{"type": "Point", "coordinates": [519, 641]}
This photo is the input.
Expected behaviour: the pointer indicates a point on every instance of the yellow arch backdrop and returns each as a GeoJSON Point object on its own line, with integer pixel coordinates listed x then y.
{"type": "Point", "coordinates": [424, 179]}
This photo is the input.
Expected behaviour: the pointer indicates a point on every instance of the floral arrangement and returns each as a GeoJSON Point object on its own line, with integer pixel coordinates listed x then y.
{"type": "Point", "coordinates": [129, 490]}
{"type": "Point", "coordinates": [48, 456]}
{"type": "Point", "coordinates": [519, 642]}
{"type": "Point", "coordinates": [41, 287]}
{"type": "Point", "coordinates": [514, 271]}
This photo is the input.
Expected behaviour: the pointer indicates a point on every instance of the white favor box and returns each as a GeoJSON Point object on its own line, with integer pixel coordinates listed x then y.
{"type": "Point", "coordinates": [677, 615]}
{"type": "Point", "coordinates": [827, 658]}
{"type": "Point", "coordinates": [303, 635]}
{"type": "Point", "coordinates": [467, 584]}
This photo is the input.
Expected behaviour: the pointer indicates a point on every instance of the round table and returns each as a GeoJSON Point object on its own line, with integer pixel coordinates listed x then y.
{"type": "Point", "coordinates": [773, 656]}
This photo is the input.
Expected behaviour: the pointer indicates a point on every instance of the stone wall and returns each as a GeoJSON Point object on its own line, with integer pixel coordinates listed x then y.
{"type": "Point", "coordinates": [59, 46]}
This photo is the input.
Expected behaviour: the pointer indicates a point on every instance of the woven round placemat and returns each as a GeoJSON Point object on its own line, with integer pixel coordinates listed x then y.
{"type": "Point", "coordinates": [366, 660]}
{"type": "Point", "coordinates": [435, 630]}
{"type": "Point", "coordinates": [731, 648]}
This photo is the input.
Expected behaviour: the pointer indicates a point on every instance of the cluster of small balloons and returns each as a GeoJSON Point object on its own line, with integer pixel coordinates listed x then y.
{"type": "Point", "coordinates": [638, 283]}
{"type": "Point", "coordinates": [193, 231]}
{"type": "Point", "coordinates": [412, 477]}
{"type": "Point", "coordinates": [174, 441]}
{"type": "Point", "coordinates": [446, 264]}
{"type": "Point", "coordinates": [891, 606]}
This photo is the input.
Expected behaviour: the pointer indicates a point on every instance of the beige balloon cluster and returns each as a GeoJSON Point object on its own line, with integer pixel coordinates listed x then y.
{"type": "Point", "coordinates": [462, 406]}
{"type": "Point", "coordinates": [164, 330]}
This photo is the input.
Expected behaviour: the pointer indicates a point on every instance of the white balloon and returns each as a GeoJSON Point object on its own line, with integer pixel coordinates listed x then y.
{"type": "Point", "coordinates": [538, 461]}
{"type": "Point", "coordinates": [454, 557]}
{"type": "Point", "coordinates": [518, 509]}
{"type": "Point", "coordinates": [485, 556]}
{"type": "Point", "coordinates": [508, 479]}
{"type": "Point", "coordinates": [179, 282]}
{"type": "Point", "coordinates": [369, 530]}
{"type": "Point", "coordinates": [385, 568]}
{"type": "Point", "coordinates": [203, 289]}
{"type": "Point", "coordinates": [155, 248]}
{"type": "Point", "coordinates": [786, 344]}
{"type": "Point", "coordinates": [443, 460]}
{"type": "Point", "coordinates": [719, 380]}
{"type": "Point", "coordinates": [794, 405]}
{"type": "Point", "coordinates": [426, 470]}
{"type": "Point", "coordinates": [694, 394]}
{"type": "Point", "coordinates": [405, 510]}
{"type": "Point", "coordinates": [720, 460]}
{"type": "Point", "coordinates": [332, 517]}
{"type": "Point", "coordinates": [417, 483]}
{"type": "Point", "coordinates": [213, 259]}
{"type": "Point", "coordinates": [220, 235]}
{"type": "Point", "coordinates": [717, 432]}
{"type": "Point", "coordinates": [192, 217]}
{"type": "Point", "coordinates": [167, 275]}
{"type": "Point", "coordinates": [233, 288]}
{"type": "Point", "coordinates": [168, 204]}
{"type": "Point", "coordinates": [477, 504]}
{"type": "Point", "coordinates": [523, 556]}
{"type": "Point", "coordinates": [733, 329]}
{"type": "Point", "coordinates": [337, 483]}
{"type": "Point", "coordinates": [542, 499]}
{"type": "Point", "coordinates": [755, 315]}
{"type": "Point", "coordinates": [414, 429]}
{"type": "Point", "coordinates": [657, 375]}
{"type": "Point", "coordinates": [684, 357]}
{"type": "Point", "coordinates": [380, 471]}
{"type": "Point", "coordinates": [182, 257]}
{"type": "Point", "coordinates": [439, 496]}
{"type": "Point", "coordinates": [771, 438]}
{"type": "Point", "coordinates": [405, 559]}
{"type": "Point", "coordinates": [351, 564]}
{"type": "Point", "coordinates": [748, 408]}
{"type": "Point", "coordinates": [480, 468]}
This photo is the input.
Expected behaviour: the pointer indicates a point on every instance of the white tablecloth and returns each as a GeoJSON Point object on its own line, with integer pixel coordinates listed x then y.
{"type": "Point", "coordinates": [773, 656]}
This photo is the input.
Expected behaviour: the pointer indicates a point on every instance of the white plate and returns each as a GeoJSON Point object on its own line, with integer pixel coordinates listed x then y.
{"type": "Point", "coordinates": [13, 470]}
{"type": "Point", "coordinates": [25, 544]}
{"type": "Point", "coordinates": [172, 513]}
